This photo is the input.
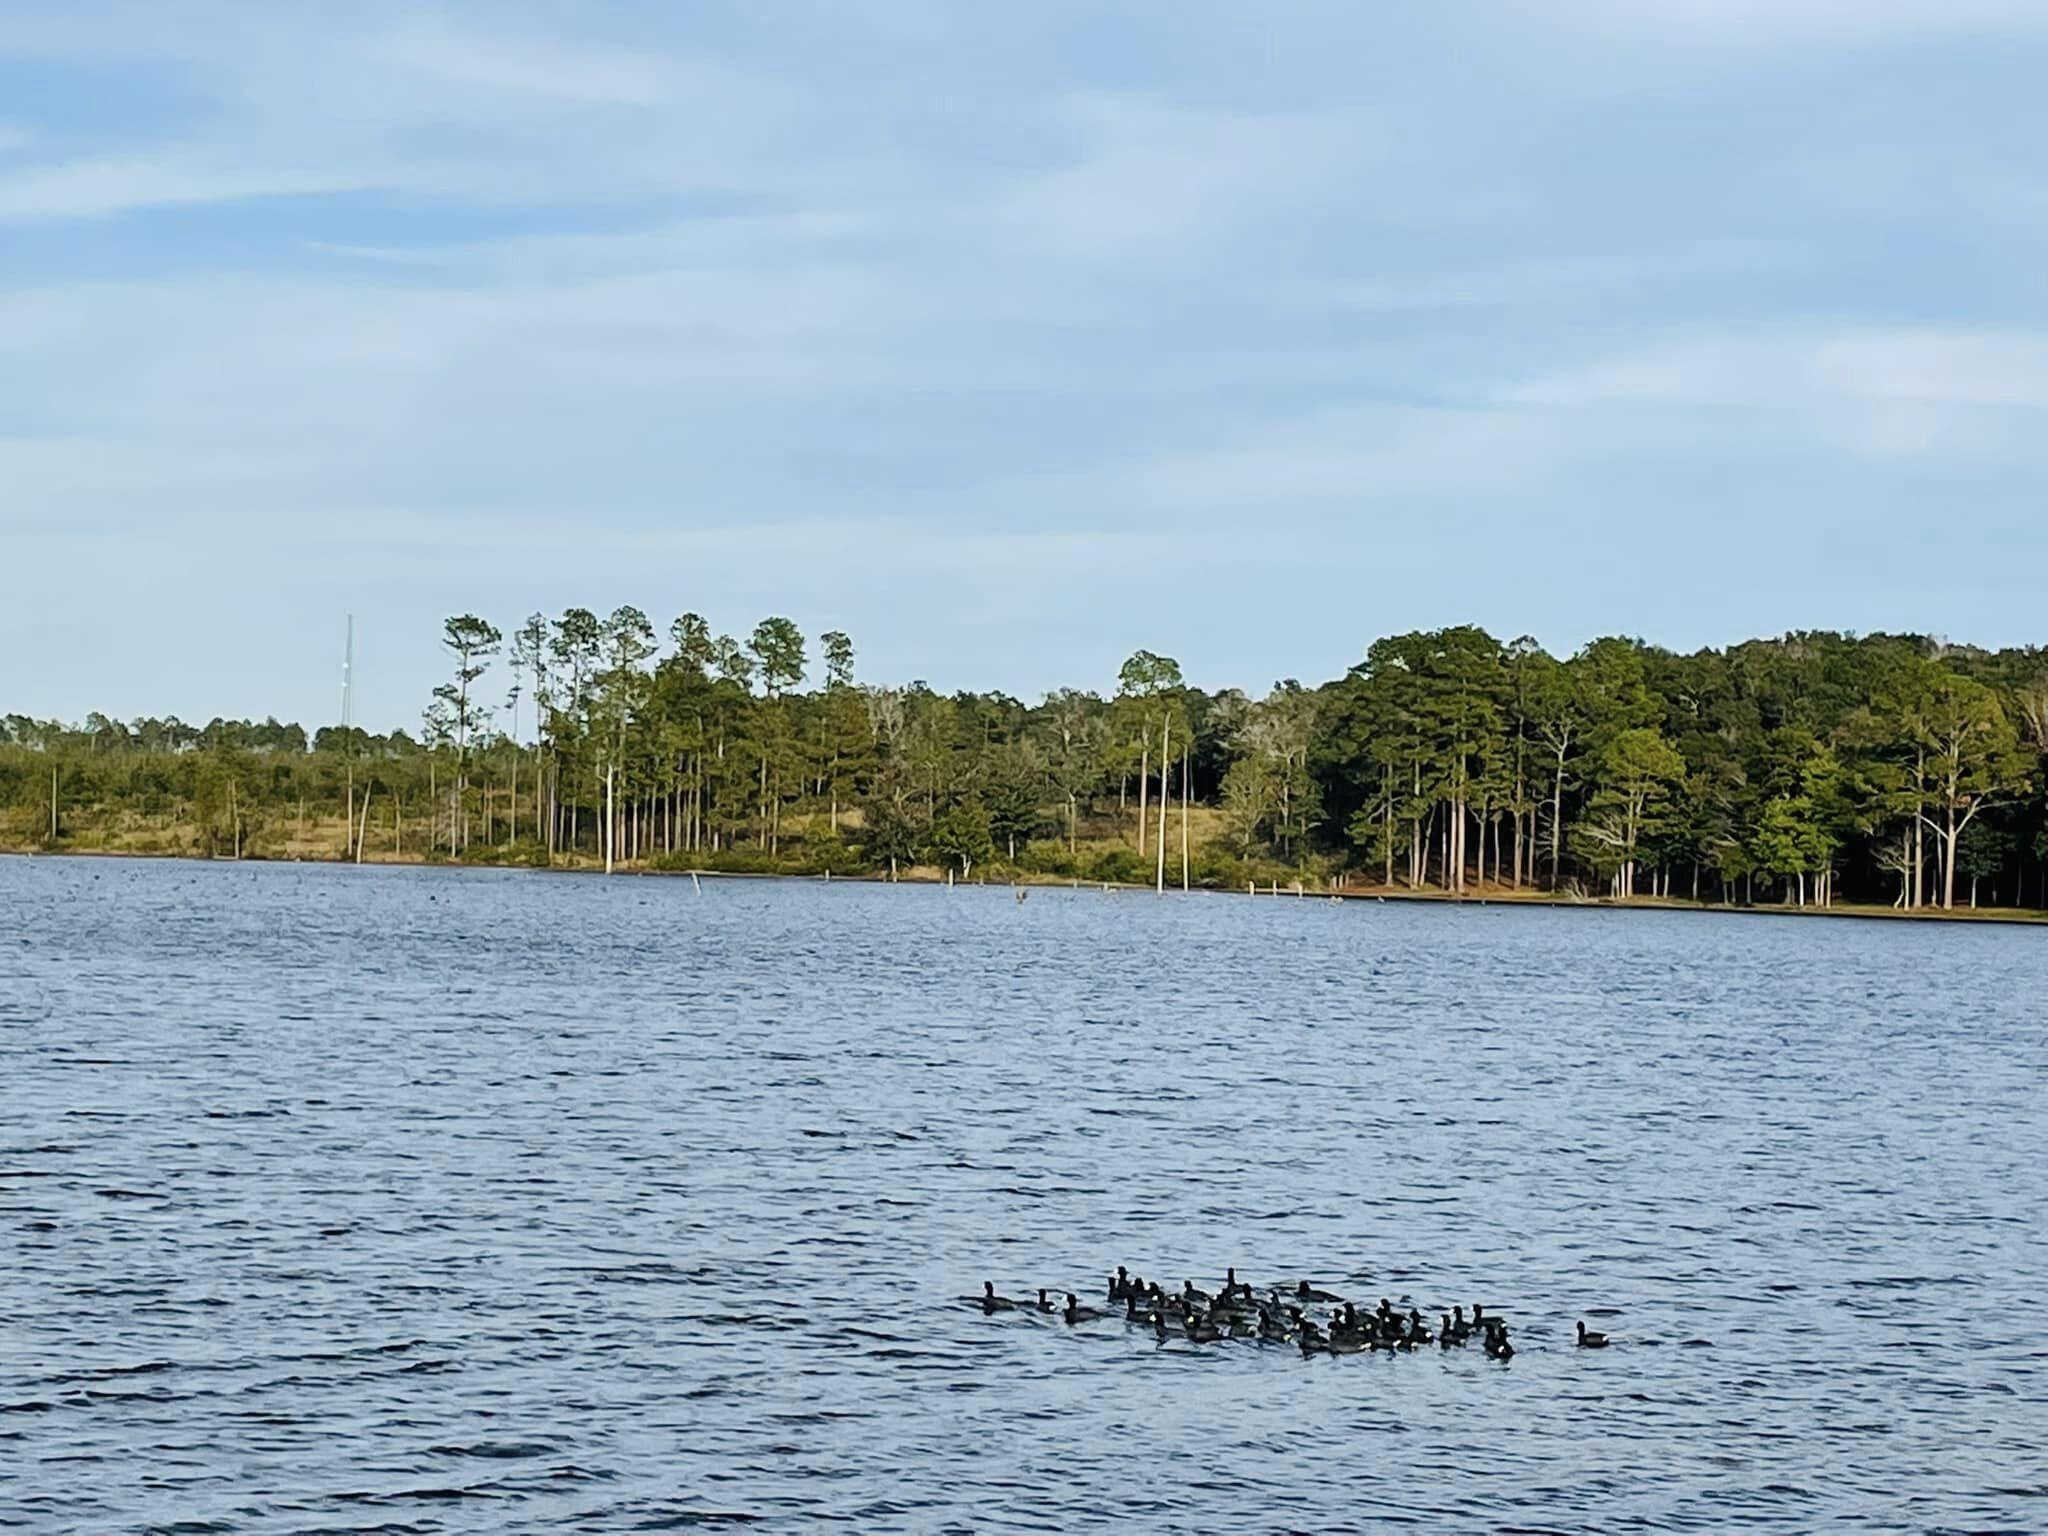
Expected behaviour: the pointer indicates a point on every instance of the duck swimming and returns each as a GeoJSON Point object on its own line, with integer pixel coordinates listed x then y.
{"type": "Point", "coordinates": [991, 1302]}
{"type": "Point", "coordinates": [1315, 1320]}
{"type": "Point", "coordinates": [1497, 1345]}
{"type": "Point", "coordinates": [1076, 1313]}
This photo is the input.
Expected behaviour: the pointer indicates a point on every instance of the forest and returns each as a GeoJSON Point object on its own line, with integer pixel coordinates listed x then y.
{"type": "Point", "coordinates": [1815, 769]}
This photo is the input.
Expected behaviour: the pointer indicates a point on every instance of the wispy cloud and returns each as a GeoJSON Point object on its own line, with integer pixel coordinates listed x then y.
{"type": "Point", "coordinates": [1779, 19]}
{"type": "Point", "coordinates": [545, 68]}
{"type": "Point", "coordinates": [953, 316]}
{"type": "Point", "coordinates": [99, 187]}
{"type": "Point", "coordinates": [1799, 366]}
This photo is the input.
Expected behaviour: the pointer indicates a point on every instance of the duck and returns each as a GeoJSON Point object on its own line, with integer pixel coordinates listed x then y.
{"type": "Point", "coordinates": [1232, 1289]}
{"type": "Point", "coordinates": [1119, 1284]}
{"type": "Point", "coordinates": [1589, 1339]}
{"type": "Point", "coordinates": [1307, 1292]}
{"type": "Point", "coordinates": [1192, 1298]}
{"type": "Point", "coordinates": [1158, 1321]}
{"type": "Point", "coordinates": [1200, 1330]}
{"type": "Point", "coordinates": [1497, 1345]}
{"type": "Point", "coordinates": [1076, 1313]}
{"type": "Point", "coordinates": [1044, 1301]}
{"type": "Point", "coordinates": [991, 1302]}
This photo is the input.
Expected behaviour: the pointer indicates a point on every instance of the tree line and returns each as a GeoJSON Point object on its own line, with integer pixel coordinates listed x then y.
{"type": "Point", "coordinates": [1809, 769]}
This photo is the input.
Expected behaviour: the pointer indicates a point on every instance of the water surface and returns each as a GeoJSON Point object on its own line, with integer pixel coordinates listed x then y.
{"type": "Point", "coordinates": [418, 1201]}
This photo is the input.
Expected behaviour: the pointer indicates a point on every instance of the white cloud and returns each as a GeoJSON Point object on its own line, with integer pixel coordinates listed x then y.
{"type": "Point", "coordinates": [1157, 180]}
{"type": "Point", "coordinates": [526, 67]}
{"type": "Point", "coordinates": [645, 289]}
{"type": "Point", "coordinates": [1737, 20]}
{"type": "Point", "coordinates": [96, 188]}
{"type": "Point", "coordinates": [301, 102]}
{"type": "Point", "coordinates": [1959, 402]}
{"type": "Point", "coordinates": [1798, 366]}
{"type": "Point", "coordinates": [1361, 456]}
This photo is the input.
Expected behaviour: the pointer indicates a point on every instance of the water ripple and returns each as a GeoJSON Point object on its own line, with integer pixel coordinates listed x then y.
{"type": "Point", "coordinates": [417, 1201]}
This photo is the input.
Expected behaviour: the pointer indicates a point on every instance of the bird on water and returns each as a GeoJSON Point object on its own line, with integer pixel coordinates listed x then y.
{"type": "Point", "coordinates": [991, 1302]}
{"type": "Point", "coordinates": [1277, 1316]}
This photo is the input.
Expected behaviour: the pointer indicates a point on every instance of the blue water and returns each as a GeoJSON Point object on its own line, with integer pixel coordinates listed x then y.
{"type": "Point", "coordinates": [344, 1199]}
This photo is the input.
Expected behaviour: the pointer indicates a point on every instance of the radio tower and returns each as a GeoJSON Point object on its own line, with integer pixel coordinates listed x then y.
{"type": "Point", "coordinates": [348, 804]}
{"type": "Point", "coordinates": [348, 665]}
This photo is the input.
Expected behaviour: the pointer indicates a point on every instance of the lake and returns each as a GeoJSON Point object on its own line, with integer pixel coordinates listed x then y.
{"type": "Point", "coordinates": [343, 1199]}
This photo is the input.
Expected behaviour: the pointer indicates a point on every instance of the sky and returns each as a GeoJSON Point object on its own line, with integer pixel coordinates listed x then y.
{"type": "Point", "coordinates": [1007, 338]}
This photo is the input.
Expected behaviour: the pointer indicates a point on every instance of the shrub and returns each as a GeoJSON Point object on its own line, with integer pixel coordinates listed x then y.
{"type": "Point", "coordinates": [1048, 859]}
{"type": "Point", "coordinates": [1120, 866]}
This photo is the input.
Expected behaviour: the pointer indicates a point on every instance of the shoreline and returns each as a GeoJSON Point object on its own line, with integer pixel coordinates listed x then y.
{"type": "Point", "coordinates": [2023, 917]}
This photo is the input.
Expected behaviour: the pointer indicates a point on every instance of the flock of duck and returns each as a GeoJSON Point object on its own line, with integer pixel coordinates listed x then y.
{"type": "Point", "coordinates": [1314, 1320]}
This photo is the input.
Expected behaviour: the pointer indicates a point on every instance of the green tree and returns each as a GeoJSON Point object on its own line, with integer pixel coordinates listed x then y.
{"type": "Point", "coordinates": [1012, 794]}
{"type": "Point", "coordinates": [1981, 854]}
{"type": "Point", "coordinates": [627, 640]}
{"type": "Point", "coordinates": [1634, 773]}
{"type": "Point", "coordinates": [1973, 760]}
{"type": "Point", "coordinates": [960, 835]}
{"type": "Point", "coordinates": [473, 641]}
{"type": "Point", "coordinates": [1072, 730]}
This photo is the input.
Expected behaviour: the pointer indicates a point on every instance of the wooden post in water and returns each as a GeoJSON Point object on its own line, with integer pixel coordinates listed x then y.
{"type": "Point", "coordinates": [1165, 764]}
{"type": "Point", "coordinates": [1186, 777]}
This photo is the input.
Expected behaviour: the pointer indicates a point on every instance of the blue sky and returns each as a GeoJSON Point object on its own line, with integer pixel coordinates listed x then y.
{"type": "Point", "coordinates": [1008, 338]}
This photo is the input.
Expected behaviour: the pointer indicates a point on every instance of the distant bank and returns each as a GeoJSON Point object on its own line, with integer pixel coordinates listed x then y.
{"type": "Point", "coordinates": [929, 875]}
